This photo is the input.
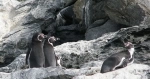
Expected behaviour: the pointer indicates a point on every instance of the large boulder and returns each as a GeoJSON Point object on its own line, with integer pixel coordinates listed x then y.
{"type": "Point", "coordinates": [89, 11]}
{"type": "Point", "coordinates": [135, 71]}
{"type": "Point", "coordinates": [95, 32]}
{"type": "Point", "coordinates": [84, 55]}
{"type": "Point", "coordinates": [100, 48]}
{"type": "Point", "coordinates": [17, 64]}
{"type": "Point", "coordinates": [25, 19]}
{"type": "Point", "coordinates": [127, 11]}
{"type": "Point", "coordinates": [6, 7]}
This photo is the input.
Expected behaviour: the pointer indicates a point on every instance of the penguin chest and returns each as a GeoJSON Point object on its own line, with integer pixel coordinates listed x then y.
{"type": "Point", "coordinates": [37, 54]}
{"type": "Point", "coordinates": [50, 58]}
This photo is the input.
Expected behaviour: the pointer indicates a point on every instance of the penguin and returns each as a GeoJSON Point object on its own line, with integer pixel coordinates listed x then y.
{"type": "Point", "coordinates": [35, 56]}
{"type": "Point", "coordinates": [119, 60]}
{"type": "Point", "coordinates": [50, 57]}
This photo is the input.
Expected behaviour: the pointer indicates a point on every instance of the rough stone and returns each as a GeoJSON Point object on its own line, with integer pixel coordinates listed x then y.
{"type": "Point", "coordinates": [98, 49]}
{"type": "Point", "coordinates": [127, 12]}
{"type": "Point", "coordinates": [86, 56]}
{"type": "Point", "coordinates": [136, 71]}
{"type": "Point", "coordinates": [26, 19]}
{"type": "Point", "coordinates": [94, 33]}
{"type": "Point", "coordinates": [4, 75]}
{"type": "Point", "coordinates": [70, 33]}
{"type": "Point", "coordinates": [89, 11]}
{"type": "Point", "coordinates": [17, 64]}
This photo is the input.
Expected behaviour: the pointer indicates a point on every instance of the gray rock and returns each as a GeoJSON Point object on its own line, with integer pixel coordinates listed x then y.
{"type": "Point", "coordinates": [78, 9]}
{"type": "Point", "coordinates": [69, 2]}
{"type": "Point", "coordinates": [5, 75]}
{"type": "Point", "coordinates": [85, 51]}
{"type": "Point", "coordinates": [127, 12]}
{"type": "Point", "coordinates": [17, 64]}
{"type": "Point", "coordinates": [36, 15]}
{"type": "Point", "coordinates": [92, 64]}
{"type": "Point", "coordinates": [88, 11]}
{"type": "Point", "coordinates": [98, 31]}
{"type": "Point", "coordinates": [135, 71]}
{"type": "Point", "coordinates": [26, 19]}
{"type": "Point", "coordinates": [69, 33]}
{"type": "Point", "coordinates": [44, 73]}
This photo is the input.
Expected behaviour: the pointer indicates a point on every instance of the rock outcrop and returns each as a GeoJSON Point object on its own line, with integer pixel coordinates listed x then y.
{"type": "Point", "coordinates": [134, 71]}
{"type": "Point", "coordinates": [127, 12]}
{"type": "Point", "coordinates": [92, 31]}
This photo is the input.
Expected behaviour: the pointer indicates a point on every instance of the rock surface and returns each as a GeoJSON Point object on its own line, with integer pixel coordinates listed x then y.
{"type": "Point", "coordinates": [82, 58]}
{"type": "Point", "coordinates": [94, 33]}
{"type": "Point", "coordinates": [127, 12]}
{"type": "Point", "coordinates": [17, 64]}
{"type": "Point", "coordinates": [135, 71]}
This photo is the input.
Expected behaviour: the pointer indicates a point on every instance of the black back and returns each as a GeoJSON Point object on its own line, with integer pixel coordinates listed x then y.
{"type": "Point", "coordinates": [35, 56]}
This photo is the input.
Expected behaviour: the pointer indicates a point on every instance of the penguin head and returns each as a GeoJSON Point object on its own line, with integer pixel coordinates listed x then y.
{"type": "Point", "coordinates": [52, 39]}
{"type": "Point", "coordinates": [129, 45]}
{"type": "Point", "coordinates": [38, 37]}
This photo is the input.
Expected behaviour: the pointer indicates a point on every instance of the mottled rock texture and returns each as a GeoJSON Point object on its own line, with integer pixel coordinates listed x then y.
{"type": "Point", "coordinates": [89, 32]}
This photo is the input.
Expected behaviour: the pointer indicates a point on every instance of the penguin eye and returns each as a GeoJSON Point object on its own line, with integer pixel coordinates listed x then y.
{"type": "Point", "coordinates": [40, 37]}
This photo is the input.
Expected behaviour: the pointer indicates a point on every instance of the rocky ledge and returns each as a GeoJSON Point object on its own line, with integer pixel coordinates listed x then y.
{"type": "Point", "coordinates": [89, 32]}
{"type": "Point", "coordinates": [89, 56]}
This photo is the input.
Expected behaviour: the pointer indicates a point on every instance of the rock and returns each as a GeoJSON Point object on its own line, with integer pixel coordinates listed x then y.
{"type": "Point", "coordinates": [25, 19]}
{"type": "Point", "coordinates": [94, 33]}
{"type": "Point", "coordinates": [5, 75]}
{"type": "Point", "coordinates": [13, 3]}
{"type": "Point", "coordinates": [86, 56]}
{"type": "Point", "coordinates": [65, 17]}
{"type": "Point", "coordinates": [69, 2]}
{"type": "Point", "coordinates": [17, 64]}
{"type": "Point", "coordinates": [85, 51]}
{"type": "Point", "coordinates": [92, 64]}
{"type": "Point", "coordinates": [89, 11]}
{"type": "Point", "coordinates": [135, 71]}
{"type": "Point", "coordinates": [6, 6]}
{"type": "Point", "coordinates": [69, 33]}
{"type": "Point", "coordinates": [97, 12]}
{"type": "Point", "coordinates": [44, 73]}
{"type": "Point", "coordinates": [127, 12]}
{"type": "Point", "coordinates": [98, 49]}
{"type": "Point", "coordinates": [78, 9]}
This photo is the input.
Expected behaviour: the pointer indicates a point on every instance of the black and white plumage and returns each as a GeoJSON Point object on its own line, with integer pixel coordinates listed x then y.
{"type": "Point", "coordinates": [35, 56]}
{"type": "Point", "coordinates": [119, 60]}
{"type": "Point", "coordinates": [50, 57]}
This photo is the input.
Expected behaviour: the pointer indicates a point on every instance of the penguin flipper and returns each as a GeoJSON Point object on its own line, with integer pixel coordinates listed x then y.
{"type": "Point", "coordinates": [27, 55]}
{"type": "Point", "coordinates": [124, 64]}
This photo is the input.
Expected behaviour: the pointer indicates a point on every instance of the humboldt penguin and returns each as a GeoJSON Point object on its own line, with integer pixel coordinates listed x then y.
{"type": "Point", "coordinates": [119, 60]}
{"type": "Point", "coordinates": [35, 56]}
{"type": "Point", "coordinates": [50, 57]}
